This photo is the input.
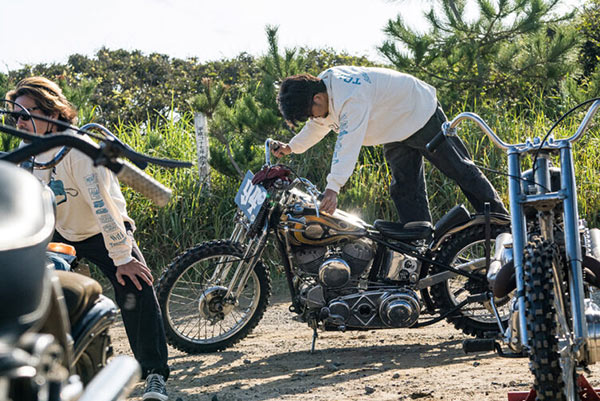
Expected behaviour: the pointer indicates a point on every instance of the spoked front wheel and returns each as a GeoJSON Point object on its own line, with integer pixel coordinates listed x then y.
{"type": "Point", "coordinates": [198, 315]}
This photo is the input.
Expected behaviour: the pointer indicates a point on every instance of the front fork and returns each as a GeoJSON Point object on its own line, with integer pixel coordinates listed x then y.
{"type": "Point", "coordinates": [243, 268]}
{"type": "Point", "coordinates": [253, 253]}
{"type": "Point", "coordinates": [571, 232]}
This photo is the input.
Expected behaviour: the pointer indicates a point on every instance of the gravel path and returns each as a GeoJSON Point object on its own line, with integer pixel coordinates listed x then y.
{"type": "Point", "coordinates": [274, 363]}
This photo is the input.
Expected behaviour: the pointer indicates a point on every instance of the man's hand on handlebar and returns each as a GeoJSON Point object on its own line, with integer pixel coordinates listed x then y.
{"type": "Point", "coordinates": [280, 149]}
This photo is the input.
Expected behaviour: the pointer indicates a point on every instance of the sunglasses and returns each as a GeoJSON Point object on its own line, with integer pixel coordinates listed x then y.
{"type": "Point", "coordinates": [24, 115]}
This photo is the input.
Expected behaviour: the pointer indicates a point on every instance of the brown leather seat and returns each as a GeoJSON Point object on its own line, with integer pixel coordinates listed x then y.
{"type": "Point", "coordinates": [80, 293]}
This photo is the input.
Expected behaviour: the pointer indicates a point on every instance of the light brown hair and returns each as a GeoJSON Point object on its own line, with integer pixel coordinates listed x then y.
{"type": "Point", "coordinates": [47, 95]}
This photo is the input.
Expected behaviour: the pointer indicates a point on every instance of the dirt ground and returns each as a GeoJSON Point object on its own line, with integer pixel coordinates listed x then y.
{"type": "Point", "coordinates": [274, 363]}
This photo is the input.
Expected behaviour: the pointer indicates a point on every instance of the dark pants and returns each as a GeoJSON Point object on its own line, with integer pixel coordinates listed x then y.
{"type": "Point", "coordinates": [140, 310]}
{"type": "Point", "coordinates": [408, 189]}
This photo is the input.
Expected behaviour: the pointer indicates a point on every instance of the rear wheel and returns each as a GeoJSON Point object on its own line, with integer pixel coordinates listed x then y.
{"type": "Point", "coordinates": [548, 315]}
{"type": "Point", "coordinates": [466, 250]}
{"type": "Point", "coordinates": [197, 316]}
{"type": "Point", "coordinates": [93, 359]}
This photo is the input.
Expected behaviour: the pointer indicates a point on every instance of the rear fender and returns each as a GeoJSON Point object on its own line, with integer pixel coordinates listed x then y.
{"type": "Point", "coordinates": [98, 319]}
{"type": "Point", "coordinates": [476, 219]}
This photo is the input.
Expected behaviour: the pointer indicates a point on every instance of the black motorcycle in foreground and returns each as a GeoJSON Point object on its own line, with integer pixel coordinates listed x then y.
{"type": "Point", "coordinates": [342, 273]}
{"type": "Point", "coordinates": [53, 324]}
{"type": "Point", "coordinates": [90, 313]}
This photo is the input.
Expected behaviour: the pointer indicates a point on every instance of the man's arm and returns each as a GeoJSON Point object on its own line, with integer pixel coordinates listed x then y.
{"type": "Point", "coordinates": [313, 131]}
{"type": "Point", "coordinates": [95, 184]}
{"type": "Point", "coordinates": [133, 270]}
{"type": "Point", "coordinates": [281, 149]}
{"type": "Point", "coordinates": [354, 119]}
{"type": "Point", "coordinates": [353, 127]}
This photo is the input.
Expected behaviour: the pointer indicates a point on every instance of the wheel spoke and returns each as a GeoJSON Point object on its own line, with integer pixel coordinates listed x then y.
{"type": "Point", "coordinates": [192, 304]}
{"type": "Point", "coordinates": [466, 250]}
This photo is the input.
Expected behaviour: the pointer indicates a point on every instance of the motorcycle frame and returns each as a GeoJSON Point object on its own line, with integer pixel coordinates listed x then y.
{"type": "Point", "coordinates": [543, 201]}
{"type": "Point", "coordinates": [261, 228]}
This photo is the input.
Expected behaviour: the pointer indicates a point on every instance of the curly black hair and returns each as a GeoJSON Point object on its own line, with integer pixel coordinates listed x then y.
{"type": "Point", "coordinates": [295, 98]}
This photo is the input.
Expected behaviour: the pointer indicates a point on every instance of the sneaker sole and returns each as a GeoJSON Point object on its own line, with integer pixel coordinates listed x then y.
{"type": "Point", "coordinates": [151, 396]}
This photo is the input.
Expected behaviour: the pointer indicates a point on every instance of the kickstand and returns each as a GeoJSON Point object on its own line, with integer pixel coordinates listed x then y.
{"type": "Point", "coordinates": [314, 340]}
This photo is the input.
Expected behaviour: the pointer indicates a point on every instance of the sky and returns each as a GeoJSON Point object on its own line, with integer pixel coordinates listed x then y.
{"type": "Point", "coordinates": [48, 31]}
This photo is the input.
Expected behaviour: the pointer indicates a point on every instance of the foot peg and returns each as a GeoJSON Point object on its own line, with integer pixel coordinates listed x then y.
{"type": "Point", "coordinates": [479, 345]}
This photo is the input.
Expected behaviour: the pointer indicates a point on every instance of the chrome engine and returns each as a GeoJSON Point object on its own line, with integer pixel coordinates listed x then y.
{"type": "Point", "coordinates": [373, 309]}
{"type": "Point", "coordinates": [332, 287]}
{"type": "Point", "coordinates": [401, 268]}
{"type": "Point", "coordinates": [592, 316]}
{"type": "Point", "coordinates": [336, 266]}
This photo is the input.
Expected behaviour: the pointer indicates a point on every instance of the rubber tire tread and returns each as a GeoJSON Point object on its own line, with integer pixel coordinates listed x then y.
{"type": "Point", "coordinates": [544, 361]}
{"type": "Point", "coordinates": [180, 264]}
{"type": "Point", "coordinates": [439, 293]}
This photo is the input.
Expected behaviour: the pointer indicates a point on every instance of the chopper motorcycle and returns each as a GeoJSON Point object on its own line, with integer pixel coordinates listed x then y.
{"type": "Point", "coordinates": [342, 273]}
{"type": "Point", "coordinates": [53, 328]}
{"type": "Point", "coordinates": [549, 265]}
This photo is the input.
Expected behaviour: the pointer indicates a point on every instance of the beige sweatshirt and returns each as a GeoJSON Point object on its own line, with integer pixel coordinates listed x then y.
{"type": "Point", "coordinates": [89, 202]}
{"type": "Point", "coordinates": [367, 106]}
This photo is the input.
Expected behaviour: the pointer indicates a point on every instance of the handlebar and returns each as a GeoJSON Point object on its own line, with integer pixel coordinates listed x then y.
{"type": "Point", "coordinates": [315, 194]}
{"type": "Point", "coordinates": [449, 129]}
{"type": "Point", "coordinates": [436, 142]}
{"type": "Point", "coordinates": [585, 122]}
{"type": "Point", "coordinates": [144, 184]}
{"type": "Point", "coordinates": [106, 154]}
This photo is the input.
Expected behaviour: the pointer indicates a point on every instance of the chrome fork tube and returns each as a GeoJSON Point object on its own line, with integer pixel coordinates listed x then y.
{"type": "Point", "coordinates": [244, 268]}
{"type": "Point", "coordinates": [225, 262]}
{"type": "Point", "coordinates": [572, 242]}
{"type": "Point", "coordinates": [239, 233]}
{"type": "Point", "coordinates": [543, 185]}
{"type": "Point", "coordinates": [519, 235]}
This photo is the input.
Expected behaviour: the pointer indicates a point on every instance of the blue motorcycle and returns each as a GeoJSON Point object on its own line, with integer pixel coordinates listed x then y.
{"type": "Point", "coordinates": [549, 265]}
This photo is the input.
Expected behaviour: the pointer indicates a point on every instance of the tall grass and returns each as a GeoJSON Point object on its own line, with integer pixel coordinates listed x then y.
{"type": "Point", "coordinates": [196, 214]}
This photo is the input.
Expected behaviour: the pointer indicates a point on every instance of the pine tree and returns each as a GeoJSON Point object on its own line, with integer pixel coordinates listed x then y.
{"type": "Point", "coordinates": [589, 54]}
{"type": "Point", "coordinates": [510, 50]}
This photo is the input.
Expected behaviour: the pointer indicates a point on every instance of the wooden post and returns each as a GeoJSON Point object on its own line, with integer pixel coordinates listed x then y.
{"type": "Point", "coordinates": [202, 149]}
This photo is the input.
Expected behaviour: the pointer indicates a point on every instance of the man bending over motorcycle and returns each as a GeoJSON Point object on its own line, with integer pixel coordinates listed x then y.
{"type": "Point", "coordinates": [91, 215]}
{"type": "Point", "coordinates": [377, 106]}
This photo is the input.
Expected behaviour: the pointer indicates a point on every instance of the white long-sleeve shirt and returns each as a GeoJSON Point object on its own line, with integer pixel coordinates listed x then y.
{"type": "Point", "coordinates": [367, 106]}
{"type": "Point", "coordinates": [89, 202]}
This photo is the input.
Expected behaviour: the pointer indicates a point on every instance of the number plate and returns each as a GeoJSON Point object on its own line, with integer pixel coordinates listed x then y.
{"type": "Point", "coordinates": [250, 197]}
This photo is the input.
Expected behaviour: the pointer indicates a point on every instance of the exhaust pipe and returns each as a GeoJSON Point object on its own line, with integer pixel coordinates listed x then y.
{"type": "Point", "coordinates": [501, 273]}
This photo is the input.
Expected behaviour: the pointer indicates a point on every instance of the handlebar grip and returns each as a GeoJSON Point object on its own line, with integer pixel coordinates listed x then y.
{"type": "Point", "coordinates": [144, 184]}
{"type": "Point", "coordinates": [436, 142]}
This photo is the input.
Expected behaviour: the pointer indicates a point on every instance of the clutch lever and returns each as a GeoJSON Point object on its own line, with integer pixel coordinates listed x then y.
{"type": "Point", "coordinates": [113, 147]}
{"type": "Point", "coordinates": [138, 158]}
{"type": "Point", "coordinates": [111, 138]}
